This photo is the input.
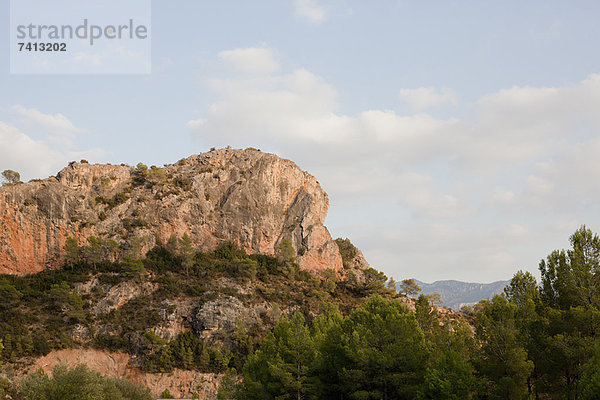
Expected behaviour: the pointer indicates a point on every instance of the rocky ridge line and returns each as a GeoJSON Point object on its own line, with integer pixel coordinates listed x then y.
{"type": "Point", "coordinates": [255, 199]}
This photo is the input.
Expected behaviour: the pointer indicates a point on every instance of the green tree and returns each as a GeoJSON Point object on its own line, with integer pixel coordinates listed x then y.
{"type": "Point", "coordinates": [281, 368]}
{"type": "Point", "coordinates": [285, 252]}
{"type": "Point", "coordinates": [569, 316]}
{"type": "Point", "coordinates": [132, 267]}
{"type": "Point", "coordinates": [378, 352]}
{"type": "Point", "coordinates": [132, 248]}
{"type": "Point", "coordinates": [229, 387]}
{"type": "Point", "coordinates": [186, 249]}
{"type": "Point", "coordinates": [157, 175]}
{"type": "Point", "coordinates": [409, 287]}
{"type": "Point", "coordinates": [62, 299]}
{"type": "Point", "coordinates": [93, 251]}
{"type": "Point", "coordinates": [589, 388]}
{"type": "Point", "coordinates": [100, 250]}
{"type": "Point", "coordinates": [450, 378]}
{"type": "Point", "coordinates": [110, 250]}
{"type": "Point", "coordinates": [524, 293]}
{"type": "Point", "coordinates": [12, 177]}
{"type": "Point", "coordinates": [392, 285]}
{"type": "Point", "coordinates": [72, 251]}
{"type": "Point", "coordinates": [503, 361]}
{"type": "Point", "coordinates": [9, 295]}
{"type": "Point", "coordinates": [173, 245]}
{"type": "Point", "coordinates": [242, 343]}
{"type": "Point", "coordinates": [570, 278]}
{"type": "Point", "coordinates": [373, 282]}
{"type": "Point", "coordinates": [435, 298]}
{"type": "Point", "coordinates": [347, 250]}
{"type": "Point", "coordinates": [427, 316]}
{"type": "Point", "coordinates": [287, 256]}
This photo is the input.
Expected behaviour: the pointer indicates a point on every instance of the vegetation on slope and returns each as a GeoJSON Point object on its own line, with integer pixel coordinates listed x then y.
{"type": "Point", "coordinates": [76, 383]}
{"type": "Point", "coordinates": [333, 337]}
{"type": "Point", "coordinates": [45, 311]}
{"type": "Point", "coordinates": [533, 341]}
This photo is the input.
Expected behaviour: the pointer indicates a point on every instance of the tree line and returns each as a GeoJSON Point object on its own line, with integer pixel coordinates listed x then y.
{"type": "Point", "coordinates": [534, 341]}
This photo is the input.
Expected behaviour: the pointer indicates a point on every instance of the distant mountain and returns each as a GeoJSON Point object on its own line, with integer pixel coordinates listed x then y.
{"type": "Point", "coordinates": [456, 294]}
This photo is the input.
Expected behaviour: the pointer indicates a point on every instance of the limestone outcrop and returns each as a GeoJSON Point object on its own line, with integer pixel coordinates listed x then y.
{"type": "Point", "coordinates": [255, 199]}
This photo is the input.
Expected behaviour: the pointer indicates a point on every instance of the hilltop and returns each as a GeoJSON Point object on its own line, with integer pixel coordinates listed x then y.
{"type": "Point", "coordinates": [249, 197]}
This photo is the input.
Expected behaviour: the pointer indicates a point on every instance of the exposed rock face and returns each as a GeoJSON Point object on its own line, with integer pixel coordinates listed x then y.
{"type": "Point", "coordinates": [221, 314]}
{"type": "Point", "coordinates": [359, 262]}
{"type": "Point", "coordinates": [121, 294]}
{"type": "Point", "coordinates": [118, 365]}
{"type": "Point", "coordinates": [174, 314]}
{"type": "Point", "coordinates": [253, 198]}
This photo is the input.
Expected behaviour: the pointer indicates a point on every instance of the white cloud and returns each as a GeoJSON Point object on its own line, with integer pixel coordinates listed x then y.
{"type": "Point", "coordinates": [568, 180]}
{"type": "Point", "coordinates": [39, 158]}
{"type": "Point", "coordinates": [253, 60]}
{"type": "Point", "coordinates": [58, 127]}
{"type": "Point", "coordinates": [520, 154]}
{"type": "Point", "coordinates": [310, 10]}
{"type": "Point", "coordinates": [299, 104]}
{"type": "Point", "coordinates": [418, 193]}
{"type": "Point", "coordinates": [21, 153]}
{"type": "Point", "coordinates": [501, 196]}
{"type": "Point", "coordinates": [426, 97]}
{"type": "Point", "coordinates": [389, 127]}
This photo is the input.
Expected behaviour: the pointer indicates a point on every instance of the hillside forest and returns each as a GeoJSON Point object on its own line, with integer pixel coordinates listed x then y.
{"type": "Point", "coordinates": [324, 336]}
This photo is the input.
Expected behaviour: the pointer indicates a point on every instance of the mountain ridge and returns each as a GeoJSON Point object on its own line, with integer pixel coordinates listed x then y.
{"type": "Point", "coordinates": [456, 294]}
{"type": "Point", "coordinates": [256, 199]}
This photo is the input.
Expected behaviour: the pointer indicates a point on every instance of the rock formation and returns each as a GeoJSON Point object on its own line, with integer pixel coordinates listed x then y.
{"type": "Point", "coordinates": [253, 198]}
{"type": "Point", "coordinates": [118, 365]}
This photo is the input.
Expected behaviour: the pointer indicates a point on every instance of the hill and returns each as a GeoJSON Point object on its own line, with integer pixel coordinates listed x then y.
{"type": "Point", "coordinates": [249, 197]}
{"type": "Point", "coordinates": [167, 276]}
{"type": "Point", "coordinates": [217, 273]}
{"type": "Point", "coordinates": [456, 294]}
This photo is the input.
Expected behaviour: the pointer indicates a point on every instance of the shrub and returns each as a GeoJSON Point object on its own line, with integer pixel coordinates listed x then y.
{"type": "Point", "coordinates": [79, 383]}
{"type": "Point", "coordinates": [347, 250]}
{"type": "Point", "coordinates": [12, 177]}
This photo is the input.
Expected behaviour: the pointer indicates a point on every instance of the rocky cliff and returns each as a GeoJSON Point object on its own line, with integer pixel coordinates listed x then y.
{"type": "Point", "coordinates": [253, 198]}
{"type": "Point", "coordinates": [180, 383]}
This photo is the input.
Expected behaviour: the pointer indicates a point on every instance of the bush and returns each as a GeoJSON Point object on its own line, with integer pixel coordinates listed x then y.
{"type": "Point", "coordinates": [347, 250]}
{"type": "Point", "coordinates": [229, 251]}
{"type": "Point", "coordinates": [12, 177]}
{"type": "Point", "coordinates": [78, 383]}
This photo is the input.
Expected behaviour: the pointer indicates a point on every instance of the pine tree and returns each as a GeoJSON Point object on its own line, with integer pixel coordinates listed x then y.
{"type": "Point", "coordinates": [409, 288]}
{"type": "Point", "coordinates": [281, 368]}
{"type": "Point", "coordinates": [503, 360]}
{"type": "Point", "coordinates": [12, 177]}
{"type": "Point", "coordinates": [378, 352]}
{"type": "Point", "coordinates": [204, 359]}
{"type": "Point", "coordinates": [187, 357]}
{"type": "Point", "coordinates": [186, 248]}
{"type": "Point", "coordinates": [590, 380]}
{"type": "Point", "coordinates": [173, 245]}
{"type": "Point", "coordinates": [72, 251]}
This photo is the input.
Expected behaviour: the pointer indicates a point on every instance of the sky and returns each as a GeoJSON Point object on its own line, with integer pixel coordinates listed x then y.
{"type": "Point", "coordinates": [456, 139]}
